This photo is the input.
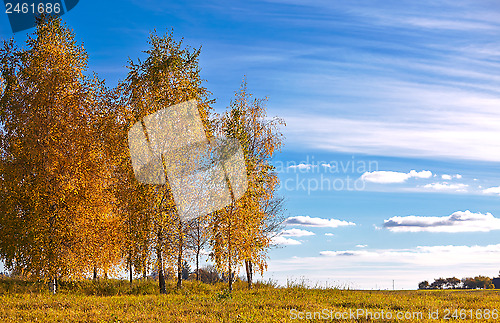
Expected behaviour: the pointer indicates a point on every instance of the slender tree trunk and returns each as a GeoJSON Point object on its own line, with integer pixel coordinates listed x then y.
{"type": "Point", "coordinates": [230, 247]}
{"type": "Point", "coordinates": [198, 248]}
{"type": "Point", "coordinates": [144, 268]}
{"type": "Point", "coordinates": [197, 264]}
{"type": "Point", "coordinates": [230, 275]}
{"type": "Point", "coordinates": [53, 285]}
{"type": "Point", "coordinates": [161, 277]}
{"type": "Point", "coordinates": [130, 271]}
{"type": "Point", "coordinates": [179, 258]}
{"type": "Point", "coordinates": [230, 265]}
{"type": "Point", "coordinates": [95, 273]}
{"type": "Point", "coordinates": [249, 269]}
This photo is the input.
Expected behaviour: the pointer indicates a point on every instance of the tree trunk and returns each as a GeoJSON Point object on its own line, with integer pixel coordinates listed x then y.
{"type": "Point", "coordinates": [144, 269]}
{"type": "Point", "coordinates": [230, 276]}
{"type": "Point", "coordinates": [161, 277]}
{"type": "Point", "coordinates": [95, 273]}
{"type": "Point", "coordinates": [249, 269]}
{"type": "Point", "coordinates": [130, 270]}
{"type": "Point", "coordinates": [53, 285]}
{"type": "Point", "coordinates": [179, 258]}
{"type": "Point", "coordinates": [230, 249]}
{"type": "Point", "coordinates": [229, 263]}
{"type": "Point", "coordinates": [197, 264]}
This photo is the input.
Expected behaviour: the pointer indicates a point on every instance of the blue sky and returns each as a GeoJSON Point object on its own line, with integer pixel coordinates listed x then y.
{"type": "Point", "coordinates": [410, 90]}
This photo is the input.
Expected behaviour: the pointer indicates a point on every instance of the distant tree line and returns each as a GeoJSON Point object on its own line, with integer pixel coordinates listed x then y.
{"type": "Point", "coordinates": [478, 282]}
{"type": "Point", "coordinates": [70, 206]}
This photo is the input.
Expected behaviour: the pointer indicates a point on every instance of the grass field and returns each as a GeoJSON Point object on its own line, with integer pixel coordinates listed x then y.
{"type": "Point", "coordinates": [117, 301]}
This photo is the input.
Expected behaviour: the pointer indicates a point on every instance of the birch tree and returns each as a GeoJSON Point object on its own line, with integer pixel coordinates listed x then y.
{"type": "Point", "coordinates": [168, 76]}
{"type": "Point", "coordinates": [240, 232]}
{"type": "Point", "coordinates": [54, 177]}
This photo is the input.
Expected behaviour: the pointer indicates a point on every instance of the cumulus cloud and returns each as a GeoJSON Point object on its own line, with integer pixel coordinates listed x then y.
{"type": "Point", "coordinates": [444, 186]}
{"type": "Point", "coordinates": [492, 190]}
{"type": "Point", "coordinates": [446, 177]}
{"type": "Point", "coordinates": [387, 177]}
{"type": "Point", "coordinates": [296, 233]}
{"type": "Point", "coordinates": [460, 221]}
{"type": "Point", "coordinates": [316, 222]}
{"type": "Point", "coordinates": [280, 240]}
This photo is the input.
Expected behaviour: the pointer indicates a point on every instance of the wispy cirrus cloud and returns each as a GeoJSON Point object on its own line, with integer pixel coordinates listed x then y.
{"type": "Point", "coordinates": [316, 222]}
{"type": "Point", "coordinates": [472, 139]}
{"type": "Point", "coordinates": [460, 221]}
{"type": "Point", "coordinates": [422, 255]}
{"type": "Point", "coordinates": [386, 177]}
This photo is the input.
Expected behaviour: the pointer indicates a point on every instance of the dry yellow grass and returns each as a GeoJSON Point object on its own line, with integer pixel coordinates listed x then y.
{"type": "Point", "coordinates": [207, 303]}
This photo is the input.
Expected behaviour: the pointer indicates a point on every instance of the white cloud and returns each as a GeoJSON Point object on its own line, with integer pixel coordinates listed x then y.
{"type": "Point", "coordinates": [361, 246]}
{"type": "Point", "coordinates": [447, 187]}
{"type": "Point", "coordinates": [447, 24]}
{"type": "Point", "coordinates": [460, 221]}
{"type": "Point", "coordinates": [421, 174]}
{"type": "Point", "coordinates": [425, 255]}
{"type": "Point", "coordinates": [492, 190]}
{"type": "Point", "coordinates": [346, 253]}
{"type": "Point", "coordinates": [450, 177]}
{"type": "Point", "coordinates": [301, 166]}
{"type": "Point", "coordinates": [296, 233]}
{"type": "Point", "coordinates": [316, 222]}
{"type": "Point", "coordinates": [327, 165]}
{"type": "Point", "coordinates": [386, 177]}
{"type": "Point", "coordinates": [422, 255]}
{"type": "Point", "coordinates": [474, 139]}
{"type": "Point", "coordinates": [329, 234]}
{"type": "Point", "coordinates": [279, 240]}
{"type": "Point", "coordinates": [376, 269]}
